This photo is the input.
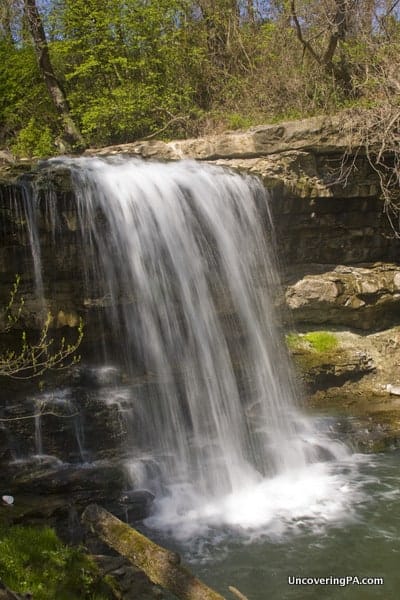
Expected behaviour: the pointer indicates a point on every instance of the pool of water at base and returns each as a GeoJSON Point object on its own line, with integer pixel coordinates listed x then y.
{"type": "Point", "coordinates": [362, 542]}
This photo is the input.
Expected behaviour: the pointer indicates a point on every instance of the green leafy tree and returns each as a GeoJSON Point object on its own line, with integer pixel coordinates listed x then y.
{"type": "Point", "coordinates": [24, 102]}
{"type": "Point", "coordinates": [134, 69]}
{"type": "Point", "coordinates": [126, 65]}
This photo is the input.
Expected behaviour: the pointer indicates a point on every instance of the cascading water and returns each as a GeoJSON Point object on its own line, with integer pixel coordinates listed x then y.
{"type": "Point", "coordinates": [182, 256]}
{"type": "Point", "coordinates": [181, 241]}
{"type": "Point", "coordinates": [179, 252]}
{"type": "Point", "coordinates": [191, 382]}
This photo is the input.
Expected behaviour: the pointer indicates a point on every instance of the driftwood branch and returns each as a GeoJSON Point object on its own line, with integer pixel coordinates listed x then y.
{"type": "Point", "coordinates": [161, 566]}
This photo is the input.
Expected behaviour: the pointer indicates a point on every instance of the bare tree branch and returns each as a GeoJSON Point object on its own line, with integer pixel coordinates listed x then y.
{"type": "Point", "coordinates": [34, 359]}
{"type": "Point", "coordinates": [306, 45]}
{"type": "Point", "coordinates": [338, 33]}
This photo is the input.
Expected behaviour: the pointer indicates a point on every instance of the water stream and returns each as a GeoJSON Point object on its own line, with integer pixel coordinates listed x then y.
{"type": "Point", "coordinates": [182, 254]}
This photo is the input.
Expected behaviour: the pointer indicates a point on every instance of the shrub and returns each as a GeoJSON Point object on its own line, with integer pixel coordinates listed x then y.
{"type": "Point", "coordinates": [34, 140]}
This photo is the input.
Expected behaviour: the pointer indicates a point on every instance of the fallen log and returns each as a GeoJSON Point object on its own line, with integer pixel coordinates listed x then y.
{"type": "Point", "coordinates": [161, 566]}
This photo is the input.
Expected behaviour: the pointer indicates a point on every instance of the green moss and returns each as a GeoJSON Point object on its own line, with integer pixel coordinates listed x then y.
{"type": "Point", "coordinates": [34, 560]}
{"type": "Point", "coordinates": [316, 341]}
{"type": "Point", "coordinates": [322, 341]}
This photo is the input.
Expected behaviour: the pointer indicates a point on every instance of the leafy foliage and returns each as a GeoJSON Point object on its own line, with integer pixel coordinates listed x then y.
{"type": "Point", "coordinates": [133, 69]}
{"type": "Point", "coordinates": [34, 140]}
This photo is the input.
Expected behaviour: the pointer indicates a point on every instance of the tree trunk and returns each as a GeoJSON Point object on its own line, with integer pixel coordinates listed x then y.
{"type": "Point", "coordinates": [73, 136]}
{"type": "Point", "coordinates": [161, 566]}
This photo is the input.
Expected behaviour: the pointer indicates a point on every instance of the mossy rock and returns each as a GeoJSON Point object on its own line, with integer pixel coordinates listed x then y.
{"type": "Point", "coordinates": [322, 362]}
{"type": "Point", "coordinates": [316, 341]}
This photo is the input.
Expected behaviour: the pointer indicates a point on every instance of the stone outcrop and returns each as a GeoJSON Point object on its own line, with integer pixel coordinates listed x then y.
{"type": "Point", "coordinates": [360, 297]}
{"type": "Point", "coordinates": [307, 174]}
{"type": "Point", "coordinates": [323, 134]}
{"type": "Point", "coordinates": [324, 215]}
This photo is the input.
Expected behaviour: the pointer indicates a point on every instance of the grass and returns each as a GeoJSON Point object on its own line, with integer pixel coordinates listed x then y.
{"type": "Point", "coordinates": [33, 559]}
{"type": "Point", "coordinates": [317, 341]}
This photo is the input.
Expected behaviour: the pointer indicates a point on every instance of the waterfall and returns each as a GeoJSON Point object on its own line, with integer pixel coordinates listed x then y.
{"type": "Point", "coordinates": [183, 256]}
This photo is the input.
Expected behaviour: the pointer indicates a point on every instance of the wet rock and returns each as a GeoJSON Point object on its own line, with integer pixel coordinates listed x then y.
{"type": "Point", "coordinates": [89, 376]}
{"type": "Point", "coordinates": [369, 433]}
{"type": "Point", "coordinates": [334, 368]}
{"type": "Point", "coordinates": [132, 505]}
{"type": "Point", "coordinates": [130, 582]}
{"type": "Point", "coordinates": [98, 480]}
{"type": "Point", "coordinates": [330, 366]}
{"type": "Point", "coordinates": [371, 415]}
{"type": "Point", "coordinates": [73, 424]}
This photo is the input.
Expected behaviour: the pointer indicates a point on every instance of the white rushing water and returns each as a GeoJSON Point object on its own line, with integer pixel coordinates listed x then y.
{"type": "Point", "coordinates": [189, 273]}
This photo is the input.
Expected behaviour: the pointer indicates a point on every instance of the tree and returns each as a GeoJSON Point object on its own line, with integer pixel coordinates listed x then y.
{"type": "Point", "coordinates": [127, 64]}
{"type": "Point", "coordinates": [73, 137]}
{"type": "Point", "coordinates": [330, 27]}
{"type": "Point", "coordinates": [130, 69]}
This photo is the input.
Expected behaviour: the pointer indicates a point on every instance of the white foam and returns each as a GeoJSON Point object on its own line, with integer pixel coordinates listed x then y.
{"type": "Point", "coordinates": [314, 497]}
